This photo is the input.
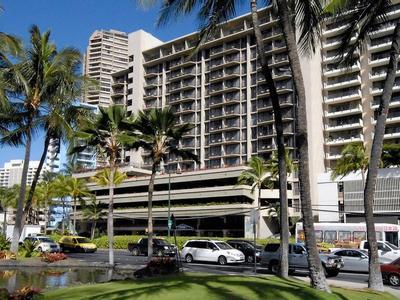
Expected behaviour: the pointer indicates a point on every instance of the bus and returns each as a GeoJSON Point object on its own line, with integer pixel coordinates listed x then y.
{"type": "Point", "coordinates": [350, 232]}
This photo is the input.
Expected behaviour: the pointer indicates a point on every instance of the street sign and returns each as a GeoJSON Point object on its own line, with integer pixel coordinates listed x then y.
{"type": "Point", "coordinates": [169, 224]}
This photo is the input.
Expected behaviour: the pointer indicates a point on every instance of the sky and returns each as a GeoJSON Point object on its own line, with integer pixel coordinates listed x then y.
{"type": "Point", "coordinates": [71, 23]}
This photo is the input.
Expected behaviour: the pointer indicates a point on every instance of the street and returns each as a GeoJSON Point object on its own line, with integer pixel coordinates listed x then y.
{"type": "Point", "coordinates": [123, 257]}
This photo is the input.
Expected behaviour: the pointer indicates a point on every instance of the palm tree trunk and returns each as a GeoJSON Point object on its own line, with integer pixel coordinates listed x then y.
{"type": "Point", "coordinates": [93, 229]}
{"type": "Point", "coordinates": [75, 214]}
{"type": "Point", "coordinates": [63, 216]}
{"type": "Point", "coordinates": [150, 214]}
{"type": "Point", "coordinates": [19, 220]}
{"type": "Point", "coordinates": [110, 220]}
{"type": "Point", "coordinates": [35, 180]}
{"type": "Point", "coordinates": [46, 213]}
{"type": "Point", "coordinates": [5, 222]}
{"type": "Point", "coordinates": [317, 275]}
{"type": "Point", "coordinates": [375, 276]}
{"type": "Point", "coordinates": [284, 234]}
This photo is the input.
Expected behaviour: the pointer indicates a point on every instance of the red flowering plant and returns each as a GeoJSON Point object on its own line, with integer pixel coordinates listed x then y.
{"type": "Point", "coordinates": [52, 257]}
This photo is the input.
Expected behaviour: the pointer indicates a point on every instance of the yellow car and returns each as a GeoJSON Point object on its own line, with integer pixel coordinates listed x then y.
{"type": "Point", "coordinates": [77, 244]}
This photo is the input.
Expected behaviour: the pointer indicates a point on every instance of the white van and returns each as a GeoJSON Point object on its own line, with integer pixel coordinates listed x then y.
{"type": "Point", "coordinates": [385, 249]}
{"type": "Point", "coordinates": [212, 251]}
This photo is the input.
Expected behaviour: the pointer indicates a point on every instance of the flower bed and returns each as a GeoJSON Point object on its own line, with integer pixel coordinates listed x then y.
{"type": "Point", "coordinates": [52, 257]}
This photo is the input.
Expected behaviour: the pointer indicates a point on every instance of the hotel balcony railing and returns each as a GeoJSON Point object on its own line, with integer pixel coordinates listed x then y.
{"type": "Point", "coordinates": [344, 125]}
{"type": "Point", "coordinates": [344, 109]}
{"type": "Point", "coordinates": [344, 139]}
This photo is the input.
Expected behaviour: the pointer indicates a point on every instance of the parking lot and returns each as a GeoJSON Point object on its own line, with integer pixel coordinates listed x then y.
{"type": "Point", "coordinates": [123, 257]}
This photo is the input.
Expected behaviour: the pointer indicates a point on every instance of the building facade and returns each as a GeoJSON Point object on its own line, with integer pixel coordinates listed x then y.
{"type": "Point", "coordinates": [11, 173]}
{"type": "Point", "coordinates": [106, 53]}
{"type": "Point", "coordinates": [351, 95]}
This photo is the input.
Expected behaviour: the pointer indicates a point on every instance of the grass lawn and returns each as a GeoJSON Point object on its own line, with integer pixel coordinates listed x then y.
{"type": "Point", "coordinates": [206, 287]}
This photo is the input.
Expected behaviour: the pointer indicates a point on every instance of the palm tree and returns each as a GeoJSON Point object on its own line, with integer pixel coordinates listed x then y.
{"type": "Point", "coordinates": [8, 197]}
{"type": "Point", "coordinates": [75, 188]}
{"type": "Point", "coordinates": [257, 176]}
{"type": "Point", "coordinates": [391, 155]}
{"type": "Point", "coordinates": [353, 158]}
{"type": "Point", "coordinates": [102, 178]}
{"type": "Point", "coordinates": [158, 133]}
{"type": "Point", "coordinates": [364, 18]}
{"type": "Point", "coordinates": [35, 77]}
{"type": "Point", "coordinates": [59, 184]}
{"type": "Point", "coordinates": [210, 15]}
{"type": "Point", "coordinates": [109, 133]}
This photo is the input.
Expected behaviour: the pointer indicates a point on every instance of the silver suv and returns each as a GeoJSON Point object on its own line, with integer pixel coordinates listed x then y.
{"type": "Point", "coordinates": [298, 259]}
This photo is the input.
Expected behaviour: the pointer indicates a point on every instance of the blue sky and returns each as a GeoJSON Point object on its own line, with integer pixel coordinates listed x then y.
{"type": "Point", "coordinates": [71, 22]}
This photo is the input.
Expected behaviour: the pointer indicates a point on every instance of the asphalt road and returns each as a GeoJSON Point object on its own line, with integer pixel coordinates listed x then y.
{"type": "Point", "coordinates": [123, 257]}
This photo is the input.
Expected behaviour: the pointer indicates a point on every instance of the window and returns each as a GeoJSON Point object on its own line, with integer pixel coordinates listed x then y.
{"type": "Point", "coordinates": [330, 236]}
{"type": "Point", "coordinates": [211, 246]}
{"type": "Point", "coordinates": [359, 236]}
{"type": "Point", "coordinates": [353, 253]}
{"type": "Point", "coordinates": [319, 236]}
{"type": "Point", "coordinates": [271, 247]}
{"type": "Point", "coordinates": [341, 253]}
{"type": "Point", "coordinates": [344, 236]}
{"type": "Point", "coordinates": [298, 249]}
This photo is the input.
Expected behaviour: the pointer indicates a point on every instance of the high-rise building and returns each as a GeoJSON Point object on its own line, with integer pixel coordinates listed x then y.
{"type": "Point", "coordinates": [106, 53]}
{"type": "Point", "coordinates": [351, 95]}
{"type": "Point", "coordinates": [52, 163]}
{"type": "Point", "coordinates": [11, 173]}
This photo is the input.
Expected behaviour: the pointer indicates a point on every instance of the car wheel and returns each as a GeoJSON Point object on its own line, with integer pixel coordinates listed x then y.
{"type": "Point", "coordinates": [250, 259]}
{"type": "Point", "coordinates": [135, 252]}
{"type": "Point", "coordinates": [189, 258]}
{"type": "Point", "coordinates": [394, 279]}
{"type": "Point", "coordinates": [160, 253]}
{"type": "Point", "coordinates": [222, 260]}
{"type": "Point", "coordinates": [274, 267]}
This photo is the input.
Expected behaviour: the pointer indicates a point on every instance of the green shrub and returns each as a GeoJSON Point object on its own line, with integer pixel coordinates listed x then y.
{"type": "Point", "coordinates": [122, 241]}
{"type": "Point", "coordinates": [4, 243]}
{"type": "Point", "coordinates": [27, 249]}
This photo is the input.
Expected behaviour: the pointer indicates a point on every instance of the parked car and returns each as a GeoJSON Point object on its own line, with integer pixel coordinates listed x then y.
{"type": "Point", "coordinates": [391, 272]}
{"type": "Point", "coordinates": [298, 259]}
{"type": "Point", "coordinates": [356, 260]}
{"type": "Point", "coordinates": [43, 243]}
{"type": "Point", "coordinates": [161, 247]}
{"type": "Point", "coordinates": [247, 248]}
{"type": "Point", "coordinates": [77, 244]}
{"type": "Point", "coordinates": [385, 249]}
{"type": "Point", "coordinates": [212, 251]}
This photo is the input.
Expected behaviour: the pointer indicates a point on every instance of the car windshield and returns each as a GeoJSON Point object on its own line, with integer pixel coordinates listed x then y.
{"type": "Point", "coordinates": [82, 240]}
{"type": "Point", "coordinates": [45, 240]}
{"type": "Point", "coordinates": [392, 246]}
{"type": "Point", "coordinates": [162, 242]}
{"type": "Point", "coordinates": [223, 246]}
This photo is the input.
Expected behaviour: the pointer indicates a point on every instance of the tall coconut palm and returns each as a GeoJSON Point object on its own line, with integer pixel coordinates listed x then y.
{"type": "Point", "coordinates": [365, 17]}
{"type": "Point", "coordinates": [103, 178]}
{"type": "Point", "coordinates": [33, 78]}
{"type": "Point", "coordinates": [210, 15]}
{"type": "Point", "coordinates": [159, 135]}
{"type": "Point", "coordinates": [353, 158]}
{"type": "Point", "coordinates": [77, 189]}
{"type": "Point", "coordinates": [258, 177]}
{"type": "Point", "coordinates": [109, 133]}
{"type": "Point", "coordinates": [94, 213]}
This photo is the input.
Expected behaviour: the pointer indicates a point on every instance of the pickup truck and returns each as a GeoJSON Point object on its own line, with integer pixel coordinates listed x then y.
{"type": "Point", "coordinates": [385, 249]}
{"type": "Point", "coordinates": [298, 259]}
{"type": "Point", "coordinates": [160, 247]}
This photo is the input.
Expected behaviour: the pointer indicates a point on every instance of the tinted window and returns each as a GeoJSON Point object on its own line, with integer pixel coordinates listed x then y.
{"type": "Point", "coordinates": [353, 253]}
{"type": "Point", "coordinates": [161, 242]}
{"type": "Point", "coordinates": [271, 247]}
{"type": "Point", "coordinates": [341, 253]}
{"type": "Point", "coordinates": [223, 246]}
{"type": "Point", "coordinates": [143, 241]}
{"type": "Point", "coordinates": [211, 246]}
{"type": "Point", "coordinates": [202, 245]}
{"type": "Point", "coordinates": [297, 249]}
{"type": "Point", "coordinates": [189, 244]}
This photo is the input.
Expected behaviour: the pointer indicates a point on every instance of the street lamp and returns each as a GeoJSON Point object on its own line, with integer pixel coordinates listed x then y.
{"type": "Point", "coordinates": [169, 203]}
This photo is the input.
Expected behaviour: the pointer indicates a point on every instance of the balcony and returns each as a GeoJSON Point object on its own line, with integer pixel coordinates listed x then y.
{"type": "Point", "coordinates": [379, 91]}
{"type": "Point", "coordinates": [332, 156]}
{"type": "Point", "coordinates": [343, 83]}
{"type": "Point", "coordinates": [186, 73]}
{"type": "Point", "coordinates": [380, 47]}
{"type": "Point", "coordinates": [344, 97]}
{"type": "Point", "coordinates": [392, 133]}
{"type": "Point", "coordinates": [225, 88]}
{"type": "Point", "coordinates": [225, 62]}
{"type": "Point", "coordinates": [379, 62]}
{"type": "Point", "coordinates": [395, 102]}
{"type": "Point", "coordinates": [182, 63]}
{"type": "Point", "coordinates": [343, 140]}
{"type": "Point", "coordinates": [336, 30]}
{"type": "Point", "coordinates": [224, 75]}
{"type": "Point", "coordinates": [393, 117]}
{"type": "Point", "coordinates": [341, 71]}
{"type": "Point", "coordinates": [335, 43]}
{"type": "Point", "coordinates": [388, 29]}
{"type": "Point", "coordinates": [271, 34]}
{"type": "Point", "coordinates": [150, 95]}
{"type": "Point", "coordinates": [381, 75]}
{"type": "Point", "coordinates": [339, 126]}
{"type": "Point", "coordinates": [344, 110]}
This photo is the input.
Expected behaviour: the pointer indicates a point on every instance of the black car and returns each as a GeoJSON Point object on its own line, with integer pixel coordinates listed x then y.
{"type": "Point", "coordinates": [161, 247]}
{"type": "Point", "coordinates": [247, 248]}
